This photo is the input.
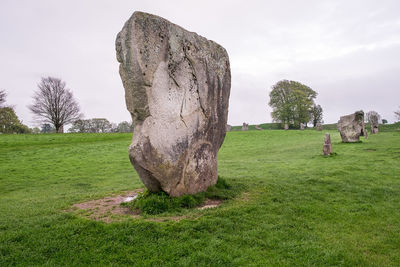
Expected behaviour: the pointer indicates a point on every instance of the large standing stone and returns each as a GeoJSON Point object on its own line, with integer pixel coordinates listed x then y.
{"type": "Point", "coordinates": [245, 126]}
{"type": "Point", "coordinates": [327, 150]}
{"type": "Point", "coordinates": [351, 127]}
{"type": "Point", "coordinates": [177, 87]}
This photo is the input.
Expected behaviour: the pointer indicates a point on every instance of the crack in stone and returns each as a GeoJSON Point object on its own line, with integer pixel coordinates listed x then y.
{"type": "Point", "coordinates": [195, 78]}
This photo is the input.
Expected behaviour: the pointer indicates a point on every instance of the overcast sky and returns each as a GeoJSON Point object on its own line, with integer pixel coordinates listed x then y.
{"type": "Point", "coordinates": [347, 51]}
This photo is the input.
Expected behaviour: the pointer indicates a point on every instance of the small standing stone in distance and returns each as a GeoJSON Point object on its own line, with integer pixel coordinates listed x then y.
{"type": "Point", "coordinates": [327, 145]}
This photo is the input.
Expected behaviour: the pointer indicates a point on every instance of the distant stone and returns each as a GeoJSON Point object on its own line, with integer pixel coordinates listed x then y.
{"type": "Point", "coordinates": [374, 128]}
{"type": "Point", "coordinates": [351, 127]}
{"type": "Point", "coordinates": [258, 127]}
{"type": "Point", "coordinates": [177, 87]}
{"type": "Point", "coordinates": [245, 126]}
{"type": "Point", "coordinates": [319, 126]}
{"type": "Point", "coordinates": [228, 128]}
{"type": "Point", "coordinates": [373, 118]}
{"type": "Point", "coordinates": [286, 126]}
{"type": "Point", "coordinates": [366, 134]}
{"type": "Point", "coordinates": [327, 150]}
{"type": "Point", "coordinates": [302, 126]}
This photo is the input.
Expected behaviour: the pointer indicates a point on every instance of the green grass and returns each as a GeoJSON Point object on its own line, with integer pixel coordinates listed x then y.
{"type": "Point", "coordinates": [159, 203]}
{"type": "Point", "coordinates": [296, 207]}
{"type": "Point", "coordinates": [395, 127]}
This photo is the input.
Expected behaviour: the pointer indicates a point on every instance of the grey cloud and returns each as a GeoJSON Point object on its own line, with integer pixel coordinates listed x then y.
{"type": "Point", "coordinates": [345, 50]}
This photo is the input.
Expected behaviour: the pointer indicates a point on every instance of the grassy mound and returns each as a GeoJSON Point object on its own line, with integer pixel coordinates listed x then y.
{"type": "Point", "coordinates": [157, 203]}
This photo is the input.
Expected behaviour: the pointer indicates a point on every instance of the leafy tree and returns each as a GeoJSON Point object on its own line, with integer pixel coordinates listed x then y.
{"type": "Point", "coordinates": [384, 121]}
{"type": "Point", "coordinates": [114, 127]}
{"type": "Point", "coordinates": [100, 125]}
{"type": "Point", "coordinates": [35, 130]}
{"type": "Point", "coordinates": [80, 126]}
{"type": "Point", "coordinates": [397, 114]}
{"type": "Point", "coordinates": [3, 95]}
{"type": "Point", "coordinates": [291, 102]}
{"type": "Point", "coordinates": [47, 128]}
{"type": "Point", "coordinates": [316, 114]}
{"type": "Point", "coordinates": [95, 125]}
{"type": "Point", "coordinates": [125, 127]}
{"type": "Point", "coordinates": [9, 122]}
{"type": "Point", "coordinates": [54, 103]}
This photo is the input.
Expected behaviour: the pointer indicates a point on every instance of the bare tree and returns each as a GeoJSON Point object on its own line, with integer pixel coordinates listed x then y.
{"type": "Point", "coordinates": [54, 103]}
{"type": "Point", "coordinates": [397, 114]}
{"type": "Point", "coordinates": [3, 95]}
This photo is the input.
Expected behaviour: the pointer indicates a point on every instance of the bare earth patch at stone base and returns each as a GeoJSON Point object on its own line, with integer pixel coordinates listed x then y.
{"type": "Point", "coordinates": [104, 209]}
{"type": "Point", "coordinates": [109, 209]}
{"type": "Point", "coordinates": [210, 203]}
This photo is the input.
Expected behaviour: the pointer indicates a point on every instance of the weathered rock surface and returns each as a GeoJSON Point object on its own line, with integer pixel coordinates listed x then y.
{"type": "Point", "coordinates": [374, 128]}
{"type": "Point", "coordinates": [319, 126]}
{"type": "Point", "coordinates": [177, 87]}
{"type": "Point", "coordinates": [351, 127]}
{"type": "Point", "coordinates": [327, 150]}
{"type": "Point", "coordinates": [245, 126]}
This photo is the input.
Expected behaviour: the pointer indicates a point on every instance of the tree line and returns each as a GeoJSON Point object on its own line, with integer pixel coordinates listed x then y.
{"type": "Point", "coordinates": [9, 122]}
{"type": "Point", "coordinates": [293, 103]}
{"type": "Point", "coordinates": [54, 107]}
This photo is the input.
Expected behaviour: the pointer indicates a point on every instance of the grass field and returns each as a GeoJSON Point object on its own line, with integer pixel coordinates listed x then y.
{"type": "Point", "coordinates": [296, 207]}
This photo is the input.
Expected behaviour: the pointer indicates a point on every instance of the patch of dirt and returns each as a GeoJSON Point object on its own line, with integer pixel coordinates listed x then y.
{"type": "Point", "coordinates": [103, 209]}
{"type": "Point", "coordinates": [210, 203]}
{"type": "Point", "coordinates": [246, 196]}
{"type": "Point", "coordinates": [109, 209]}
